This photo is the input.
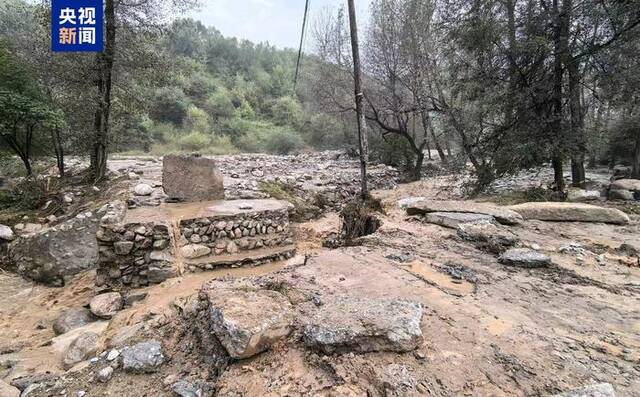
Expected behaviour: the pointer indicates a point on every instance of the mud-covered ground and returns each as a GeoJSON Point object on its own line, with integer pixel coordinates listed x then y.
{"type": "Point", "coordinates": [489, 330]}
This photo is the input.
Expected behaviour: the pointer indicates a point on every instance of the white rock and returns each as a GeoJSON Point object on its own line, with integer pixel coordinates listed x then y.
{"type": "Point", "coordinates": [113, 354]}
{"type": "Point", "coordinates": [105, 374]}
{"type": "Point", "coordinates": [192, 251]}
{"type": "Point", "coordinates": [142, 189]}
{"type": "Point", "coordinates": [579, 195]}
{"type": "Point", "coordinates": [6, 233]}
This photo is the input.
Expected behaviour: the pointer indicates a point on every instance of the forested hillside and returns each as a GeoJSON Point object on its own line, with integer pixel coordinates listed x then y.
{"type": "Point", "coordinates": [177, 87]}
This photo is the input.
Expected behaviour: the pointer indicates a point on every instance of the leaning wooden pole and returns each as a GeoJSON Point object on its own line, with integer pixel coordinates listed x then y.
{"type": "Point", "coordinates": [362, 133]}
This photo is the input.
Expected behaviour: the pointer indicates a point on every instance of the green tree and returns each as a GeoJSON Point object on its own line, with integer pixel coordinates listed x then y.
{"type": "Point", "coordinates": [23, 111]}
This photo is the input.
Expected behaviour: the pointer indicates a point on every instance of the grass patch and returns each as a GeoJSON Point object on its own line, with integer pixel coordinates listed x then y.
{"type": "Point", "coordinates": [631, 208]}
{"type": "Point", "coordinates": [302, 210]}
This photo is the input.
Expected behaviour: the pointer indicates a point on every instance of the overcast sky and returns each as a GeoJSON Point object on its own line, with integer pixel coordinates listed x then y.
{"type": "Point", "coordinates": [277, 21]}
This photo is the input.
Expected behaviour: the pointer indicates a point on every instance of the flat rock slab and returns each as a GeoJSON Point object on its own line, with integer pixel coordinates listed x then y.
{"type": "Point", "coordinates": [570, 212]}
{"type": "Point", "coordinates": [501, 214]}
{"type": "Point", "coordinates": [453, 219]}
{"type": "Point", "coordinates": [365, 325]}
{"type": "Point", "coordinates": [597, 390]}
{"type": "Point", "coordinates": [191, 178]}
{"type": "Point", "coordinates": [580, 195]}
{"type": "Point", "coordinates": [625, 184]}
{"type": "Point", "coordinates": [627, 195]}
{"type": "Point", "coordinates": [524, 257]}
{"type": "Point", "coordinates": [247, 322]}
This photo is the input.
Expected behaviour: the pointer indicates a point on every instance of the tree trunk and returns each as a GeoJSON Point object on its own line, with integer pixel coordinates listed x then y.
{"type": "Point", "coordinates": [635, 172]}
{"type": "Point", "coordinates": [556, 122]}
{"type": "Point", "coordinates": [579, 147]}
{"type": "Point", "coordinates": [105, 68]}
{"type": "Point", "coordinates": [511, 28]}
{"type": "Point", "coordinates": [428, 128]}
{"type": "Point", "coordinates": [362, 133]}
{"type": "Point", "coordinates": [58, 149]}
{"type": "Point", "coordinates": [416, 173]}
{"type": "Point", "coordinates": [558, 173]}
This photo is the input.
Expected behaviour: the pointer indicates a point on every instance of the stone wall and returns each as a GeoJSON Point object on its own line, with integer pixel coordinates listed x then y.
{"type": "Point", "coordinates": [139, 249]}
{"type": "Point", "coordinates": [134, 255]}
{"type": "Point", "coordinates": [234, 233]}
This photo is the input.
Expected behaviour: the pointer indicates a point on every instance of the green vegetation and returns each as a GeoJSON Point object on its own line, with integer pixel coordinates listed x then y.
{"type": "Point", "coordinates": [518, 197]}
{"type": "Point", "coordinates": [222, 95]}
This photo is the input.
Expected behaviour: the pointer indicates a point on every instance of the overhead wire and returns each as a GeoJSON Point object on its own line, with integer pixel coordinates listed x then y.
{"type": "Point", "coordinates": [302, 36]}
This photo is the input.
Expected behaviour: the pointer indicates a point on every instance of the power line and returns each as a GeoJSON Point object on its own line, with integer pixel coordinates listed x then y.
{"type": "Point", "coordinates": [304, 25]}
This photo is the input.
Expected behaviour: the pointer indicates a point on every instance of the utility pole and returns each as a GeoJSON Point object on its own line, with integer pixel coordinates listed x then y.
{"type": "Point", "coordinates": [362, 133]}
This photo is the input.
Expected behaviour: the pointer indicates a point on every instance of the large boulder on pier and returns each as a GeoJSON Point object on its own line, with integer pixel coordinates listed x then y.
{"type": "Point", "coordinates": [191, 178]}
{"type": "Point", "coordinates": [570, 212]}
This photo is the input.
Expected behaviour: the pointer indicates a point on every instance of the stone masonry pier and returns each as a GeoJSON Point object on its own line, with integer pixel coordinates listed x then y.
{"type": "Point", "coordinates": [151, 244]}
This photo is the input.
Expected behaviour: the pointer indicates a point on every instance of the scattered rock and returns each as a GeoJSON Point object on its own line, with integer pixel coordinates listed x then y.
{"type": "Point", "coordinates": [453, 219]}
{"type": "Point", "coordinates": [487, 236]}
{"type": "Point", "coordinates": [82, 348]}
{"type": "Point", "coordinates": [501, 214]}
{"type": "Point", "coordinates": [104, 375]}
{"type": "Point", "coordinates": [134, 297]}
{"type": "Point", "coordinates": [71, 319]}
{"type": "Point", "coordinates": [192, 251]}
{"type": "Point", "coordinates": [106, 305]}
{"type": "Point", "coordinates": [365, 325]}
{"type": "Point", "coordinates": [144, 357]}
{"type": "Point", "coordinates": [248, 322]}
{"type": "Point", "coordinates": [597, 390]}
{"type": "Point", "coordinates": [6, 233]}
{"type": "Point", "coordinates": [524, 257]}
{"type": "Point", "coordinates": [113, 354]}
{"type": "Point", "coordinates": [580, 195]}
{"type": "Point", "coordinates": [7, 390]}
{"type": "Point", "coordinates": [22, 383]}
{"type": "Point", "coordinates": [570, 212]}
{"type": "Point", "coordinates": [190, 178]}
{"type": "Point", "coordinates": [143, 189]}
{"type": "Point", "coordinates": [183, 388]}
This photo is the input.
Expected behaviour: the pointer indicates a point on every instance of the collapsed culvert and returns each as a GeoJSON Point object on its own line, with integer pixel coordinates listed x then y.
{"type": "Point", "coordinates": [358, 219]}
